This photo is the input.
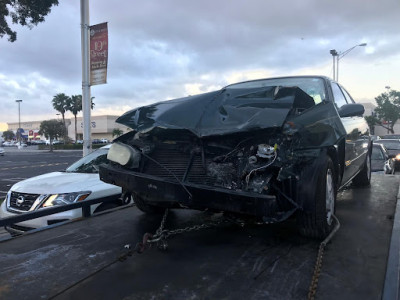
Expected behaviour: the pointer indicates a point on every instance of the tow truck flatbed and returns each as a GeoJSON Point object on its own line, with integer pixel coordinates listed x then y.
{"type": "Point", "coordinates": [79, 260]}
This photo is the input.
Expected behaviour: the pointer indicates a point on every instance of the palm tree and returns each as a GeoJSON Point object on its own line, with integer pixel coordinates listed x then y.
{"type": "Point", "coordinates": [75, 107]}
{"type": "Point", "coordinates": [117, 132]}
{"type": "Point", "coordinates": [61, 103]}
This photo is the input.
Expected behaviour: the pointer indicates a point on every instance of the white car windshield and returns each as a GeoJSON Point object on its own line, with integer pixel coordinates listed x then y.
{"type": "Point", "coordinates": [90, 163]}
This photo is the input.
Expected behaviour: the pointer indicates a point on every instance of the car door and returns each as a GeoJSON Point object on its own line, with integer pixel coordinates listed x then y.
{"type": "Point", "coordinates": [354, 131]}
{"type": "Point", "coordinates": [362, 139]}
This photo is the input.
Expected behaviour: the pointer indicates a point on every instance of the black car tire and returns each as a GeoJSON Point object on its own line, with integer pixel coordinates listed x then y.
{"type": "Point", "coordinates": [146, 208]}
{"type": "Point", "coordinates": [318, 221]}
{"type": "Point", "coordinates": [126, 198]}
{"type": "Point", "coordinates": [364, 177]}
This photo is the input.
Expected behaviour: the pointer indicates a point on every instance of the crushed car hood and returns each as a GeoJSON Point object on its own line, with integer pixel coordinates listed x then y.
{"type": "Point", "coordinates": [221, 112]}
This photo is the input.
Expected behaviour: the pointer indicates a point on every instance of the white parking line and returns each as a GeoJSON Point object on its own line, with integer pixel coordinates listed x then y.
{"type": "Point", "coordinates": [13, 179]}
{"type": "Point", "coordinates": [33, 166]}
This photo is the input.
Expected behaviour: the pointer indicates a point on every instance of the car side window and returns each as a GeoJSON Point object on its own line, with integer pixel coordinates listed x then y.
{"type": "Point", "coordinates": [377, 154]}
{"type": "Point", "coordinates": [340, 100]}
{"type": "Point", "coordinates": [347, 96]}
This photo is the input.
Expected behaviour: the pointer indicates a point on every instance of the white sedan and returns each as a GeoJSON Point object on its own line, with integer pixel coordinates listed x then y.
{"type": "Point", "coordinates": [79, 182]}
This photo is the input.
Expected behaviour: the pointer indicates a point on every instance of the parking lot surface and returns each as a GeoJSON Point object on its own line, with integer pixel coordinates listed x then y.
{"type": "Point", "coordinates": [79, 260]}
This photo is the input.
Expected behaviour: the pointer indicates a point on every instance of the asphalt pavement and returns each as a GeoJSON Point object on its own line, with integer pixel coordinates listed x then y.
{"type": "Point", "coordinates": [80, 260]}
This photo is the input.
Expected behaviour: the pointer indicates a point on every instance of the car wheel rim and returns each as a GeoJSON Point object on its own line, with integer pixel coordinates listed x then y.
{"type": "Point", "coordinates": [330, 197]}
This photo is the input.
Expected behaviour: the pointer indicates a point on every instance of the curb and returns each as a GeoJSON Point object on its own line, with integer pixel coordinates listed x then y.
{"type": "Point", "coordinates": [392, 284]}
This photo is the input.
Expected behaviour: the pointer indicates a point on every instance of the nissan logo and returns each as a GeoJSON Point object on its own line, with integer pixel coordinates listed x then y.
{"type": "Point", "coordinates": [20, 200]}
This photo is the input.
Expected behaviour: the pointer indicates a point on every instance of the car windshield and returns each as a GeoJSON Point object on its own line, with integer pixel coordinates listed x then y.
{"type": "Point", "coordinates": [90, 163]}
{"type": "Point", "coordinates": [377, 153]}
{"type": "Point", "coordinates": [312, 86]}
{"type": "Point", "coordinates": [390, 144]}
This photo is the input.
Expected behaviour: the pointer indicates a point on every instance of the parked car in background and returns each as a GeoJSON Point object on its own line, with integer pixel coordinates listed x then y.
{"type": "Point", "coordinates": [266, 149]}
{"type": "Point", "coordinates": [104, 141]}
{"type": "Point", "coordinates": [375, 137]}
{"type": "Point", "coordinates": [391, 136]}
{"type": "Point", "coordinates": [78, 182]}
{"type": "Point", "coordinates": [393, 149]}
{"type": "Point", "coordinates": [1, 151]}
{"type": "Point", "coordinates": [38, 142]}
{"type": "Point", "coordinates": [8, 144]}
{"type": "Point", "coordinates": [20, 145]}
{"type": "Point", "coordinates": [380, 160]}
{"type": "Point", "coordinates": [53, 142]}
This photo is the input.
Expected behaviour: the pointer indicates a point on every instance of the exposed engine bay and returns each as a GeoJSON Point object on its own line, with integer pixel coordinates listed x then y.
{"type": "Point", "coordinates": [236, 163]}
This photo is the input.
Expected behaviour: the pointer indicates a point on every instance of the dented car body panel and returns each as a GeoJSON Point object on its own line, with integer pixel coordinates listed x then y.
{"type": "Point", "coordinates": [252, 148]}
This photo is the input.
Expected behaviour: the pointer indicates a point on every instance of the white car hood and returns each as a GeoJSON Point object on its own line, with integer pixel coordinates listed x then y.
{"type": "Point", "coordinates": [61, 182]}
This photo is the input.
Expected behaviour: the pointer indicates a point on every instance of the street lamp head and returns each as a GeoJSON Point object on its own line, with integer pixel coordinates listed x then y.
{"type": "Point", "coordinates": [363, 45]}
{"type": "Point", "coordinates": [333, 52]}
{"type": "Point", "coordinates": [18, 100]}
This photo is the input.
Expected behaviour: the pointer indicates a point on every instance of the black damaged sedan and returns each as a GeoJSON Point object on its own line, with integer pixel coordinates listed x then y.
{"type": "Point", "coordinates": [266, 149]}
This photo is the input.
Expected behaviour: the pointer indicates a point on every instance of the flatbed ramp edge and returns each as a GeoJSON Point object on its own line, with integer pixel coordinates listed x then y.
{"type": "Point", "coordinates": [79, 260]}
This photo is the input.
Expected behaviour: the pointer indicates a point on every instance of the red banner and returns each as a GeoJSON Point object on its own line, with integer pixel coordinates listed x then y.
{"type": "Point", "coordinates": [98, 53]}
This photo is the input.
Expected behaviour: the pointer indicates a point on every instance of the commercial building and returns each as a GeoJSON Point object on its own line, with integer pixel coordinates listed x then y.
{"type": "Point", "coordinates": [101, 127]}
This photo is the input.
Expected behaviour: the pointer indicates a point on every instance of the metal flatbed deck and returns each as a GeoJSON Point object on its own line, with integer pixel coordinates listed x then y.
{"type": "Point", "coordinates": [78, 260]}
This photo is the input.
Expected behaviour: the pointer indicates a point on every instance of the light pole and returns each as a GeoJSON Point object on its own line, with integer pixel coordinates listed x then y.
{"type": "Point", "coordinates": [19, 121]}
{"type": "Point", "coordinates": [339, 55]}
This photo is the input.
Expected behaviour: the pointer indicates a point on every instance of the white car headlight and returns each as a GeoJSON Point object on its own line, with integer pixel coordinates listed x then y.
{"type": "Point", "coordinates": [125, 155]}
{"type": "Point", "coordinates": [68, 198]}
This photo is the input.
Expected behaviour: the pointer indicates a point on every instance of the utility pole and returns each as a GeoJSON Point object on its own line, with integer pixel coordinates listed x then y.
{"type": "Point", "coordinates": [19, 121]}
{"type": "Point", "coordinates": [334, 56]}
{"type": "Point", "coordinates": [339, 55]}
{"type": "Point", "coordinates": [86, 105]}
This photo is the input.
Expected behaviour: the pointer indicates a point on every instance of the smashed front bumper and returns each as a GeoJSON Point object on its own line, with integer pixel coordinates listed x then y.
{"type": "Point", "coordinates": [170, 193]}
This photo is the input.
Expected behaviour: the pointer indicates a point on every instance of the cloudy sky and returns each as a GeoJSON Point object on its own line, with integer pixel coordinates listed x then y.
{"type": "Point", "coordinates": [163, 49]}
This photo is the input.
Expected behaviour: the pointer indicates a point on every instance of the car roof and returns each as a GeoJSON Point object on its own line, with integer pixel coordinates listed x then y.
{"type": "Point", "coordinates": [377, 145]}
{"type": "Point", "coordinates": [282, 77]}
{"type": "Point", "coordinates": [386, 140]}
{"type": "Point", "coordinates": [106, 147]}
{"type": "Point", "coordinates": [388, 136]}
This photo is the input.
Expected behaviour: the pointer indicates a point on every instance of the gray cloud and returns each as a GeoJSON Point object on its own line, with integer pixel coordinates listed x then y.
{"type": "Point", "coordinates": [158, 47]}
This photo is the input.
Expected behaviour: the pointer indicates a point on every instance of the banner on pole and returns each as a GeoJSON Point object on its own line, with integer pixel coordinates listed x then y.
{"type": "Point", "coordinates": [98, 53]}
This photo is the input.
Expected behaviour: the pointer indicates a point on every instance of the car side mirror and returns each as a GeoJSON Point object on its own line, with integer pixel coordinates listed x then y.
{"type": "Point", "coordinates": [351, 110]}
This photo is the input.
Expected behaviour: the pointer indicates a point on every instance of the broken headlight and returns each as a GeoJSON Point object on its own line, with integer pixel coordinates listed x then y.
{"type": "Point", "coordinates": [124, 155]}
{"type": "Point", "coordinates": [67, 198]}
